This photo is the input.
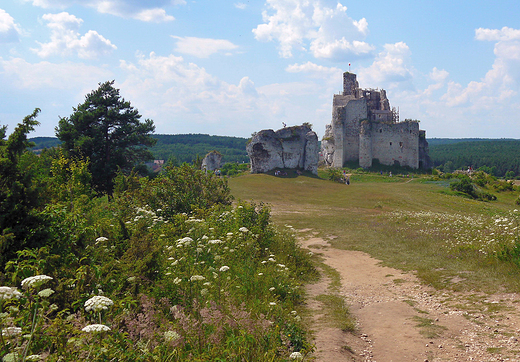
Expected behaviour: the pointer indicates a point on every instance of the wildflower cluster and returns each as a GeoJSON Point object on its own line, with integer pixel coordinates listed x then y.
{"type": "Point", "coordinates": [98, 303]}
{"type": "Point", "coordinates": [485, 234]}
{"type": "Point", "coordinates": [7, 293]}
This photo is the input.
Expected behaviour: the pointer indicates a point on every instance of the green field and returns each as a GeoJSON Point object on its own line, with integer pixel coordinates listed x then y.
{"type": "Point", "coordinates": [410, 224]}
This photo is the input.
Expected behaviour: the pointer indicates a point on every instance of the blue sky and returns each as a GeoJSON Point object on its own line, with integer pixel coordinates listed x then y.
{"type": "Point", "coordinates": [235, 67]}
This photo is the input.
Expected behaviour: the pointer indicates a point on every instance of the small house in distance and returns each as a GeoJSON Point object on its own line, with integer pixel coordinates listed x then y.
{"type": "Point", "coordinates": [364, 128]}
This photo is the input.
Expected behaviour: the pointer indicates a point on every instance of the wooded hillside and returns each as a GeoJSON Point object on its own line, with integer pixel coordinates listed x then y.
{"type": "Point", "coordinates": [184, 147]}
{"type": "Point", "coordinates": [499, 157]}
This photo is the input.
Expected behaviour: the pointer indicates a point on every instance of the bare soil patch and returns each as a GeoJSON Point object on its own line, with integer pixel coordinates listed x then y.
{"type": "Point", "coordinates": [399, 319]}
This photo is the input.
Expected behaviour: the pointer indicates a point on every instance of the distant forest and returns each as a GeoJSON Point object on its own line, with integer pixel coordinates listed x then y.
{"type": "Point", "coordinates": [500, 157]}
{"type": "Point", "coordinates": [183, 147]}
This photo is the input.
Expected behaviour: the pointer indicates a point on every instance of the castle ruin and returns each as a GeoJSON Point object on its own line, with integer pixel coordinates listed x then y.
{"type": "Point", "coordinates": [364, 128]}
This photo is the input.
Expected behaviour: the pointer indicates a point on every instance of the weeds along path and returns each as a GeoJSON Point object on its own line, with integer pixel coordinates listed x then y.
{"type": "Point", "coordinates": [398, 319]}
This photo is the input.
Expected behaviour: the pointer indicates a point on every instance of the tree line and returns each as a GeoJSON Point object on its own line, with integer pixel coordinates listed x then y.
{"type": "Point", "coordinates": [498, 157]}
{"type": "Point", "coordinates": [180, 147]}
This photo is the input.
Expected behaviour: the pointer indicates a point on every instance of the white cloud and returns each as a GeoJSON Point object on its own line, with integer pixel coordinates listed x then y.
{"type": "Point", "coordinates": [501, 84]}
{"type": "Point", "coordinates": [154, 15]}
{"type": "Point", "coordinates": [9, 30]}
{"type": "Point", "coordinates": [391, 66]}
{"type": "Point", "coordinates": [150, 10]}
{"type": "Point", "coordinates": [45, 75]}
{"type": "Point", "coordinates": [66, 41]}
{"type": "Point", "coordinates": [181, 97]}
{"type": "Point", "coordinates": [202, 47]}
{"type": "Point", "coordinates": [240, 6]}
{"type": "Point", "coordinates": [321, 26]}
{"type": "Point", "coordinates": [503, 34]}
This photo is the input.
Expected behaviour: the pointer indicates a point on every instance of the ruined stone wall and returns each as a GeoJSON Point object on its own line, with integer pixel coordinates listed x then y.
{"type": "Point", "coordinates": [355, 112]}
{"type": "Point", "coordinates": [365, 145]}
{"type": "Point", "coordinates": [396, 143]}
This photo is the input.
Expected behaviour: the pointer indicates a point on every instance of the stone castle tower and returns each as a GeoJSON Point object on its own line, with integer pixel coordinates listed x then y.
{"type": "Point", "coordinates": [364, 128]}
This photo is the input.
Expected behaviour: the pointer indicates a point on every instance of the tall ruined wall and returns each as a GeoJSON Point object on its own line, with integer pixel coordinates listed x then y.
{"type": "Point", "coordinates": [365, 144]}
{"type": "Point", "coordinates": [355, 112]}
{"type": "Point", "coordinates": [395, 144]}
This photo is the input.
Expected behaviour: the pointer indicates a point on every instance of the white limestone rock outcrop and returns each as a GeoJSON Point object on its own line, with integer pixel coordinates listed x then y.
{"type": "Point", "coordinates": [212, 161]}
{"type": "Point", "coordinates": [289, 147]}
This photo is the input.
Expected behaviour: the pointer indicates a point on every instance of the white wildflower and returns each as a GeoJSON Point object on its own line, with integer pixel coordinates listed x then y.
{"type": "Point", "coordinates": [271, 289]}
{"type": "Point", "coordinates": [272, 303]}
{"type": "Point", "coordinates": [33, 357]}
{"type": "Point", "coordinates": [96, 328]}
{"type": "Point", "coordinates": [177, 281]}
{"type": "Point", "coordinates": [171, 336]}
{"type": "Point", "coordinates": [9, 293]}
{"type": "Point", "coordinates": [243, 229]}
{"type": "Point", "coordinates": [35, 281]}
{"type": "Point", "coordinates": [296, 355]}
{"type": "Point", "coordinates": [197, 278]}
{"type": "Point", "coordinates": [204, 292]}
{"type": "Point", "coordinates": [224, 268]}
{"type": "Point", "coordinates": [11, 331]}
{"type": "Point", "coordinates": [11, 357]}
{"type": "Point", "coordinates": [97, 303]}
{"type": "Point", "coordinates": [101, 239]}
{"type": "Point", "coordinates": [45, 293]}
{"type": "Point", "coordinates": [260, 274]}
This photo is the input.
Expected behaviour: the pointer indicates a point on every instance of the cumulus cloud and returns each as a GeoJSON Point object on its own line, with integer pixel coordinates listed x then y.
{"type": "Point", "coordinates": [240, 6]}
{"type": "Point", "coordinates": [9, 30]}
{"type": "Point", "coordinates": [66, 41]}
{"type": "Point", "coordinates": [503, 34]}
{"type": "Point", "coordinates": [150, 10]}
{"type": "Point", "coordinates": [321, 26]}
{"type": "Point", "coordinates": [501, 83]}
{"type": "Point", "coordinates": [391, 66]}
{"type": "Point", "coordinates": [202, 47]}
{"type": "Point", "coordinates": [44, 75]}
{"type": "Point", "coordinates": [169, 88]}
{"type": "Point", "coordinates": [181, 96]}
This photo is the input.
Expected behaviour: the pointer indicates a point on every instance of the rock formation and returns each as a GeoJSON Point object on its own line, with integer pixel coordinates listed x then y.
{"type": "Point", "coordinates": [289, 147]}
{"type": "Point", "coordinates": [212, 161]}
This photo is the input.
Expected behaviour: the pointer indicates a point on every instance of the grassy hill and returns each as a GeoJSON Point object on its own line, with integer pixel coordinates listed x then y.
{"type": "Point", "coordinates": [408, 224]}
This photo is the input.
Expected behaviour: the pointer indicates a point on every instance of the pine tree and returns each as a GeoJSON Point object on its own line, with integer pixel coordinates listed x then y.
{"type": "Point", "coordinates": [107, 130]}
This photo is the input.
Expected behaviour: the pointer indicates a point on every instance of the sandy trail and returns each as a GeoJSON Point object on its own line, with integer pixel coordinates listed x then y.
{"type": "Point", "coordinates": [388, 306]}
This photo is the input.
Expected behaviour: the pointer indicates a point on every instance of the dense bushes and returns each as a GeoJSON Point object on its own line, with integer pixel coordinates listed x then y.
{"type": "Point", "coordinates": [167, 269]}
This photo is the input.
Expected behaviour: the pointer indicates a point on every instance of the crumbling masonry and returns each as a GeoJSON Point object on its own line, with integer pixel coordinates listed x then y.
{"type": "Point", "coordinates": [364, 129]}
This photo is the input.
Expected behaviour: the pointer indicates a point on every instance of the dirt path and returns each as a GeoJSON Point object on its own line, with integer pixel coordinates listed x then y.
{"type": "Point", "coordinates": [389, 306]}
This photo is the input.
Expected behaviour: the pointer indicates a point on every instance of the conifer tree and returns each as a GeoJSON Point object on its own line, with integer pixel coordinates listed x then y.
{"type": "Point", "coordinates": [108, 131]}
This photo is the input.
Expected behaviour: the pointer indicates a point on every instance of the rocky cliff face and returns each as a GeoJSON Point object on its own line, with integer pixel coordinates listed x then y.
{"type": "Point", "coordinates": [290, 147]}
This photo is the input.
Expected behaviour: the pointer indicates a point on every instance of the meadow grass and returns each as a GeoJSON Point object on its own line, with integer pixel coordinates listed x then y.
{"type": "Point", "coordinates": [412, 224]}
